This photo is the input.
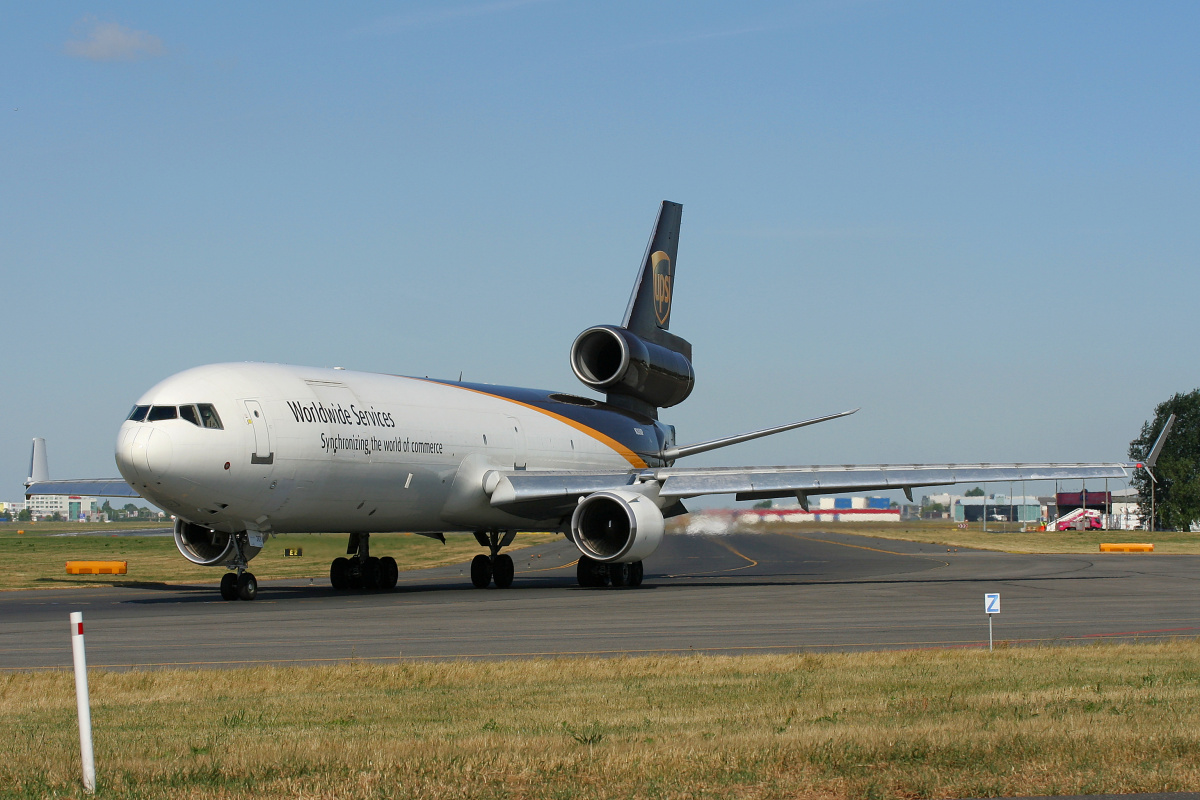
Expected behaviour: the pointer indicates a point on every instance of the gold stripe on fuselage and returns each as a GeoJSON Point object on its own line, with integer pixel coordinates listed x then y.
{"type": "Point", "coordinates": [621, 450]}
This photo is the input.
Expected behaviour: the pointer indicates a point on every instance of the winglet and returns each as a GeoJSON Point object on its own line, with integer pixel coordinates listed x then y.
{"type": "Point", "coordinates": [38, 466]}
{"type": "Point", "coordinates": [1151, 459]}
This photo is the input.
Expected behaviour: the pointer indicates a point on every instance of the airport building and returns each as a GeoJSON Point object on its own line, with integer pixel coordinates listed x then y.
{"type": "Point", "coordinates": [828, 509]}
{"type": "Point", "coordinates": [70, 507]}
{"type": "Point", "coordinates": [999, 507]}
{"type": "Point", "coordinates": [11, 508]}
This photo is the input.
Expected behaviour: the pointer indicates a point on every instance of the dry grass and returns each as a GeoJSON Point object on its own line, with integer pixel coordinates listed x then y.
{"type": "Point", "coordinates": [38, 559]}
{"type": "Point", "coordinates": [900, 724]}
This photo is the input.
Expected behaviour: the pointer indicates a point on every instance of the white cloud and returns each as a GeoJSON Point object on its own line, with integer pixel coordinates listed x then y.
{"type": "Point", "coordinates": [111, 41]}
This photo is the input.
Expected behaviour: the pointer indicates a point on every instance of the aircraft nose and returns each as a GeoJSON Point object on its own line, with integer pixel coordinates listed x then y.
{"type": "Point", "coordinates": [145, 452]}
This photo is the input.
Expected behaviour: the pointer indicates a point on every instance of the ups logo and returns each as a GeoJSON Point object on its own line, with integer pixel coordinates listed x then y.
{"type": "Point", "coordinates": [660, 268]}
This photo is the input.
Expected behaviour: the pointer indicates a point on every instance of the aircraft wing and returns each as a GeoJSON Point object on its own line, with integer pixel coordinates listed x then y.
{"type": "Point", "coordinates": [770, 482]}
{"type": "Point", "coordinates": [86, 487]}
{"type": "Point", "coordinates": [543, 494]}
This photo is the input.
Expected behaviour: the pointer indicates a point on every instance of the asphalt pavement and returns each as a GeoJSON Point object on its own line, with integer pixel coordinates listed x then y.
{"type": "Point", "coordinates": [734, 593]}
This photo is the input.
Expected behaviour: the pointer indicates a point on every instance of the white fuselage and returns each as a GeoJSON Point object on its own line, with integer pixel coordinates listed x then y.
{"type": "Point", "coordinates": [311, 449]}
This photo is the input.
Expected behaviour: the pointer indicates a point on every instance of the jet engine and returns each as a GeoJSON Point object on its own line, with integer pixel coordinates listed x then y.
{"type": "Point", "coordinates": [207, 547]}
{"type": "Point", "coordinates": [615, 361]}
{"type": "Point", "coordinates": [617, 527]}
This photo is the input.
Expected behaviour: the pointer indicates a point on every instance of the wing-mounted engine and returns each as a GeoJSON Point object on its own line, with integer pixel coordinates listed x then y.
{"type": "Point", "coordinates": [210, 548]}
{"type": "Point", "coordinates": [617, 527]}
{"type": "Point", "coordinates": [618, 362]}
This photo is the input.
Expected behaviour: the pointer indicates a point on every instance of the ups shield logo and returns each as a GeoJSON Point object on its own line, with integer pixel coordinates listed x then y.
{"type": "Point", "coordinates": [660, 269]}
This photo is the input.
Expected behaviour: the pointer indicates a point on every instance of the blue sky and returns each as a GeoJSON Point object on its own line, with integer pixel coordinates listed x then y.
{"type": "Point", "coordinates": [976, 221]}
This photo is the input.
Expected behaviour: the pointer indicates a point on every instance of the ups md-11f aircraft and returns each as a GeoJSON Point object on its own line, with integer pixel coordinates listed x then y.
{"type": "Point", "coordinates": [238, 452]}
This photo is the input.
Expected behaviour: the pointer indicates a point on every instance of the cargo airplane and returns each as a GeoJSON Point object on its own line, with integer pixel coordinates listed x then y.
{"type": "Point", "coordinates": [240, 452]}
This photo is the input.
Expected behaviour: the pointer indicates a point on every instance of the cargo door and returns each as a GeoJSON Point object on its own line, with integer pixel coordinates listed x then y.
{"type": "Point", "coordinates": [263, 454]}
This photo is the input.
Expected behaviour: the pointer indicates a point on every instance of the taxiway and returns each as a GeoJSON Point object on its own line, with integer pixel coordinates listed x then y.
{"type": "Point", "coordinates": [736, 593]}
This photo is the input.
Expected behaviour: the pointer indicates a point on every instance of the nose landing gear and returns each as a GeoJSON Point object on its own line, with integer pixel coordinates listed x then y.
{"type": "Point", "coordinates": [239, 584]}
{"type": "Point", "coordinates": [362, 570]}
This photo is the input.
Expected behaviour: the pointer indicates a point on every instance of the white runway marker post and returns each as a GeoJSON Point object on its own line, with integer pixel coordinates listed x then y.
{"type": "Point", "coordinates": [991, 604]}
{"type": "Point", "coordinates": [81, 700]}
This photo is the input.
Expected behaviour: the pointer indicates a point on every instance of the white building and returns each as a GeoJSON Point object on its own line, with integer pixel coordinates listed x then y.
{"type": "Point", "coordinates": [11, 508]}
{"type": "Point", "coordinates": [70, 507]}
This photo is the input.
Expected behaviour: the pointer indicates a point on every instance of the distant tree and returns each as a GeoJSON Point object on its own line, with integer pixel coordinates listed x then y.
{"type": "Point", "coordinates": [763, 504]}
{"type": "Point", "coordinates": [933, 508]}
{"type": "Point", "coordinates": [976, 492]}
{"type": "Point", "coordinates": [131, 509]}
{"type": "Point", "coordinates": [24, 515]}
{"type": "Point", "coordinates": [57, 517]}
{"type": "Point", "coordinates": [1177, 492]}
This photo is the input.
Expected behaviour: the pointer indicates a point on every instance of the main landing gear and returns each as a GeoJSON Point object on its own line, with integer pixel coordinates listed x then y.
{"type": "Point", "coordinates": [591, 573]}
{"type": "Point", "coordinates": [496, 568]}
{"type": "Point", "coordinates": [363, 570]}
{"type": "Point", "coordinates": [239, 584]}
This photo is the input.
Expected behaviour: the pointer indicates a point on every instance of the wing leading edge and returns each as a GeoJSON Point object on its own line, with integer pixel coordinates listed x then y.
{"type": "Point", "coordinates": [535, 494]}
{"type": "Point", "coordinates": [87, 487]}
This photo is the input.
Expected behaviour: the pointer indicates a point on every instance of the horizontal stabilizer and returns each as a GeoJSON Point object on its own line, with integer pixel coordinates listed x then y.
{"type": "Point", "coordinates": [672, 453]}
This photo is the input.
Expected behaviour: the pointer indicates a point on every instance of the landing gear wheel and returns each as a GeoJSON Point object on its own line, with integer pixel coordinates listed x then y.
{"type": "Point", "coordinates": [389, 573]}
{"type": "Point", "coordinates": [591, 573]}
{"type": "Point", "coordinates": [481, 571]}
{"type": "Point", "coordinates": [635, 574]}
{"type": "Point", "coordinates": [503, 570]}
{"type": "Point", "coordinates": [371, 573]}
{"type": "Point", "coordinates": [339, 574]}
{"type": "Point", "coordinates": [229, 586]}
{"type": "Point", "coordinates": [619, 574]}
{"type": "Point", "coordinates": [247, 586]}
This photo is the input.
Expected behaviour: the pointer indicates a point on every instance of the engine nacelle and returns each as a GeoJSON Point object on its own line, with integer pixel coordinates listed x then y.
{"type": "Point", "coordinates": [617, 527]}
{"type": "Point", "coordinates": [615, 361]}
{"type": "Point", "coordinates": [209, 548]}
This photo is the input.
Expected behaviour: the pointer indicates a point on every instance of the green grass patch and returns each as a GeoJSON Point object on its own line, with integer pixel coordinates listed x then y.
{"type": "Point", "coordinates": [1029, 721]}
{"type": "Point", "coordinates": [37, 558]}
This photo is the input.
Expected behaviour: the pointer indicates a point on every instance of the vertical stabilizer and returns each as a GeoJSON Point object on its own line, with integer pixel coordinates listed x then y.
{"type": "Point", "coordinates": [38, 467]}
{"type": "Point", "coordinates": [649, 311]}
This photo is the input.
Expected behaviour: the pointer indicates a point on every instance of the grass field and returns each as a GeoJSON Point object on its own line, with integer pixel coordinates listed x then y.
{"type": "Point", "coordinates": [1011, 540]}
{"type": "Point", "coordinates": [1028, 721]}
{"type": "Point", "coordinates": [37, 558]}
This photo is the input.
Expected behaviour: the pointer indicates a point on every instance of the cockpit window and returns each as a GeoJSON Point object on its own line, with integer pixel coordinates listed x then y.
{"type": "Point", "coordinates": [189, 413]}
{"type": "Point", "coordinates": [158, 413]}
{"type": "Point", "coordinates": [208, 416]}
{"type": "Point", "coordinates": [139, 413]}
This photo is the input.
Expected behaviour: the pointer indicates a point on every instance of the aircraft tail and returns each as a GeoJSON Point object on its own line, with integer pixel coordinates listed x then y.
{"type": "Point", "coordinates": [648, 314]}
{"type": "Point", "coordinates": [640, 365]}
{"type": "Point", "coordinates": [39, 469]}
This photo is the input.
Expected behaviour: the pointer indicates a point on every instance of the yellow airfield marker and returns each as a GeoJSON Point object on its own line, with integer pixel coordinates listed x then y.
{"type": "Point", "coordinates": [1127, 547]}
{"type": "Point", "coordinates": [97, 567]}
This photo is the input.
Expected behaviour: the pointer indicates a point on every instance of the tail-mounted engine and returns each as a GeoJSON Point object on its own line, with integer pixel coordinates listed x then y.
{"type": "Point", "coordinates": [615, 361]}
{"type": "Point", "coordinates": [210, 548]}
{"type": "Point", "coordinates": [617, 527]}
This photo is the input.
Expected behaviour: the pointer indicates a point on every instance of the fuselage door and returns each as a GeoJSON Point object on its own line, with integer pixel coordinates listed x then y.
{"type": "Point", "coordinates": [263, 454]}
{"type": "Point", "coordinates": [520, 461]}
